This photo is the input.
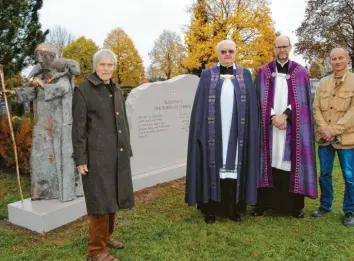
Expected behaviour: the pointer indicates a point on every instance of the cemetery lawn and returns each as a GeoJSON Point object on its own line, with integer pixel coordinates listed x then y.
{"type": "Point", "coordinates": [162, 227]}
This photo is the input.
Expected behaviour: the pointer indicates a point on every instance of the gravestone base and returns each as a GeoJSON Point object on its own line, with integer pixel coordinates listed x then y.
{"type": "Point", "coordinates": [45, 215]}
{"type": "Point", "coordinates": [151, 178]}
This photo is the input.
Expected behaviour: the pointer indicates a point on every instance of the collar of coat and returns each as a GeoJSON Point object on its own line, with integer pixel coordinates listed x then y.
{"type": "Point", "coordinates": [97, 81]}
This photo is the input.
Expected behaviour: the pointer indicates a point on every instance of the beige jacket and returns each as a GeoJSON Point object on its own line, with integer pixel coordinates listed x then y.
{"type": "Point", "coordinates": [334, 108]}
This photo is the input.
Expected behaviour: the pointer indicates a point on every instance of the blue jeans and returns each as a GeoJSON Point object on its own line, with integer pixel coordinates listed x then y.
{"type": "Point", "coordinates": [346, 159]}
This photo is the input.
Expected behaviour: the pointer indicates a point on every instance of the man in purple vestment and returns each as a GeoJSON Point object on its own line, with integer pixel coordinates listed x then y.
{"type": "Point", "coordinates": [287, 151]}
{"type": "Point", "coordinates": [223, 138]}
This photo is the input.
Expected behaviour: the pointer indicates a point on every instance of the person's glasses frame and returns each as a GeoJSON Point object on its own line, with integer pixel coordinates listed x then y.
{"type": "Point", "coordinates": [227, 51]}
{"type": "Point", "coordinates": [282, 47]}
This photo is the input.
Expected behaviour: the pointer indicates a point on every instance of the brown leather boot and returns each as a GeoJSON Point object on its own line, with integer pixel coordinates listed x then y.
{"type": "Point", "coordinates": [112, 243]}
{"type": "Point", "coordinates": [98, 234]}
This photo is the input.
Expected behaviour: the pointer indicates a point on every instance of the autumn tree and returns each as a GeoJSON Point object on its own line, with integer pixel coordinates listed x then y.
{"type": "Point", "coordinates": [82, 51]}
{"type": "Point", "coordinates": [168, 54]}
{"type": "Point", "coordinates": [315, 70]}
{"type": "Point", "coordinates": [247, 22]}
{"type": "Point", "coordinates": [327, 24]}
{"type": "Point", "coordinates": [60, 38]}
{"type": "Point", "coordinates": [200, 48]}
{"type": "Point", "coordinates": [20, 32]}
{"type": "Point", "coordinates": [130, 69]}
{"type": "Point", "coordinates": [153, 74]}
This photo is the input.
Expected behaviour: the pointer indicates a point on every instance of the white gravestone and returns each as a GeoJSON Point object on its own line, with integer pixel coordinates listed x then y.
{"type": "Point", "coordinates": [159, 115]}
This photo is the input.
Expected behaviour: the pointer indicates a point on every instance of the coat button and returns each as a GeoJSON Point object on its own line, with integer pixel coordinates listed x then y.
{"type": "Point", "coordinates": [121, 149]}
{"type": "Point", "coordinates": [117, 113]}
{"type": "Point", "coordinates": [111, 95]}
{"type": "Point", "coordinates": [331, 108]}
{"type": "Point", "coordinates": [119, 131]}
{"type": "Point", "coordinates": [334, 95]}
{"type": "Point", "coordinates": [329, 121]}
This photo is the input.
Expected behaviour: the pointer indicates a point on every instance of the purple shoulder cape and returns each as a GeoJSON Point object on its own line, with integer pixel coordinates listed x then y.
{"type": "Point", "coordinates": [300, 141]}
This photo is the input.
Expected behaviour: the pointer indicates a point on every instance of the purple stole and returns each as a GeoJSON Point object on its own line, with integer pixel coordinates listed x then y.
{"type": "Point", "coordinates": [241, 109]}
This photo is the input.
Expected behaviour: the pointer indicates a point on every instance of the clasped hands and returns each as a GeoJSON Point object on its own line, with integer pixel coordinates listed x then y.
{"type": "Point", "coordinates": [326, 134]}
{"type": "Point", "coordinates": [279, 121]}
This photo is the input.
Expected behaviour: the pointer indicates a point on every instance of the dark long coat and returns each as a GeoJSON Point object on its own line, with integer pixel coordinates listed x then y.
{"type": "Point", "coordinates": [101, 140]}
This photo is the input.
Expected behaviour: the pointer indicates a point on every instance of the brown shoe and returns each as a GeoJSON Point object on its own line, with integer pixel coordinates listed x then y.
{"type": "Point", "coordinates": [103, 257]}
{"type": "Point", "coordinates": [115, 244]}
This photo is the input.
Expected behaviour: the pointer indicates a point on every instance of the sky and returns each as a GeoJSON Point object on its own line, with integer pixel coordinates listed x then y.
{"type": "Point", "coordinates": [144, 20]}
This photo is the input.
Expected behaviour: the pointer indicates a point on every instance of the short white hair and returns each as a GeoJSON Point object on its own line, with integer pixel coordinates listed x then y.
{"type": "Point", "coordinates": [103, 53]}
{"type": "Point", "coordinates": [223, 42]}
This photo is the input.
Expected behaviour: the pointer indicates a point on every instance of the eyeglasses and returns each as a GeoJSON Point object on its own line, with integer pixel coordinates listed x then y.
{"type": "Point", "coordinates": [281, 47]}
{"type": "Point", "coordinates": [227, 51]}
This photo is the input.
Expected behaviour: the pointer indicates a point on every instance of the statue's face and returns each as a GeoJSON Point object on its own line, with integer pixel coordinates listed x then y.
{"type": "Point", "coordinates": [45, 59]}
{"type": "Point", "coordinates": [105, 68]}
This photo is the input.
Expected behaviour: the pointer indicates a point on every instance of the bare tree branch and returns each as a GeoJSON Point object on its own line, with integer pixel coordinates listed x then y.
{"type": "Point", "coordinates": [60, 38]}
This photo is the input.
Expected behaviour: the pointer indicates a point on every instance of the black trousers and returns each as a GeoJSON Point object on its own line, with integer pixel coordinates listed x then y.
{"type": "Point", "coordinates": [279, 198]}
{"type": "Point", "coordinates": [228, 206]}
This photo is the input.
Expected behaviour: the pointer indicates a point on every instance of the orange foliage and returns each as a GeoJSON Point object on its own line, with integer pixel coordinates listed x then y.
{"type": "Point", "coordinates": [23, 135]}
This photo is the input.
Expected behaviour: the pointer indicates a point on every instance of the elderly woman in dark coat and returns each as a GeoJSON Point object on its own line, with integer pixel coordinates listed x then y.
{"type": "Point", "coordinates": [102, 152]}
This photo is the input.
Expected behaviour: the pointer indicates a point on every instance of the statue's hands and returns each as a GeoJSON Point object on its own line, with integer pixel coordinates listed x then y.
{"type": "Point", "coordinates": [82, 169]}
{"type": "Point", "coordinates": [8, 92]}
{"type": "Point", "coordinates": [37, 82]}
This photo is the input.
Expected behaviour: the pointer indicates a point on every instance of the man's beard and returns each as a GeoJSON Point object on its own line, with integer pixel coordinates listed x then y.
{"type": "Point", "coordinates": [284, 59]}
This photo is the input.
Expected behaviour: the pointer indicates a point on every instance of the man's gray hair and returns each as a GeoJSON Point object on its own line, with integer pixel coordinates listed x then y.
{"type": "Point", "coordinates": [104, 53]}
{"type": "Point", "coordinates": [341, 48]}
{"type": "Point", "coordinates": [220, 44]}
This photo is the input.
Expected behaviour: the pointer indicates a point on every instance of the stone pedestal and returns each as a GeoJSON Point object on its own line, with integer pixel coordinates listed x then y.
{"type": "Point", "coordinates": [45, 215]}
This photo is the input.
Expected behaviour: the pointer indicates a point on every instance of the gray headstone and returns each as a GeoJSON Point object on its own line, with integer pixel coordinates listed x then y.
{"type": "Point", "coordinates": [159, 116]}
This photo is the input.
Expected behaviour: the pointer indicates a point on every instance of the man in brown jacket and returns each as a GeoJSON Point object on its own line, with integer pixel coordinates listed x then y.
{"type": "Point", "coordinates": [102, 153]}
{"type": "Point", "coordinates": [334, 116]}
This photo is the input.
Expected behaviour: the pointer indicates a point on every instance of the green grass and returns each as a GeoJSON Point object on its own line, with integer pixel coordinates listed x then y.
{"type": "Point", "coordinates": [9, 191]}
{"type": "Point", "coordinates": [162, 227]}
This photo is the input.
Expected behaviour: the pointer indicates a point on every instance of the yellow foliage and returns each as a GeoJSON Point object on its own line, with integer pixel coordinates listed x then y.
{"type": "Point", "coordinates": [315, 70]}
{"type": "Point", "coordinates": [81, 50]}
{"type": "Point", "coordinates": [13, 82]}
{"type": "Point", "coordinates": [247, 23]}
{"type": "Point", "coordinates": [130, 69]}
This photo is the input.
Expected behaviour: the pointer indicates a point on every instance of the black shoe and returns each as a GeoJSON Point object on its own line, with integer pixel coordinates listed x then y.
{"type": "Point", "coordinates": [236, 217]}
{"type": "Point", "coordinates": [209, 219]}
{"type": "Point", "coordinates": [298, 214]}
{"type": "Point", "coordinates": [349, 219]}
{"type": "Point", "coordinates": [320, 212]}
